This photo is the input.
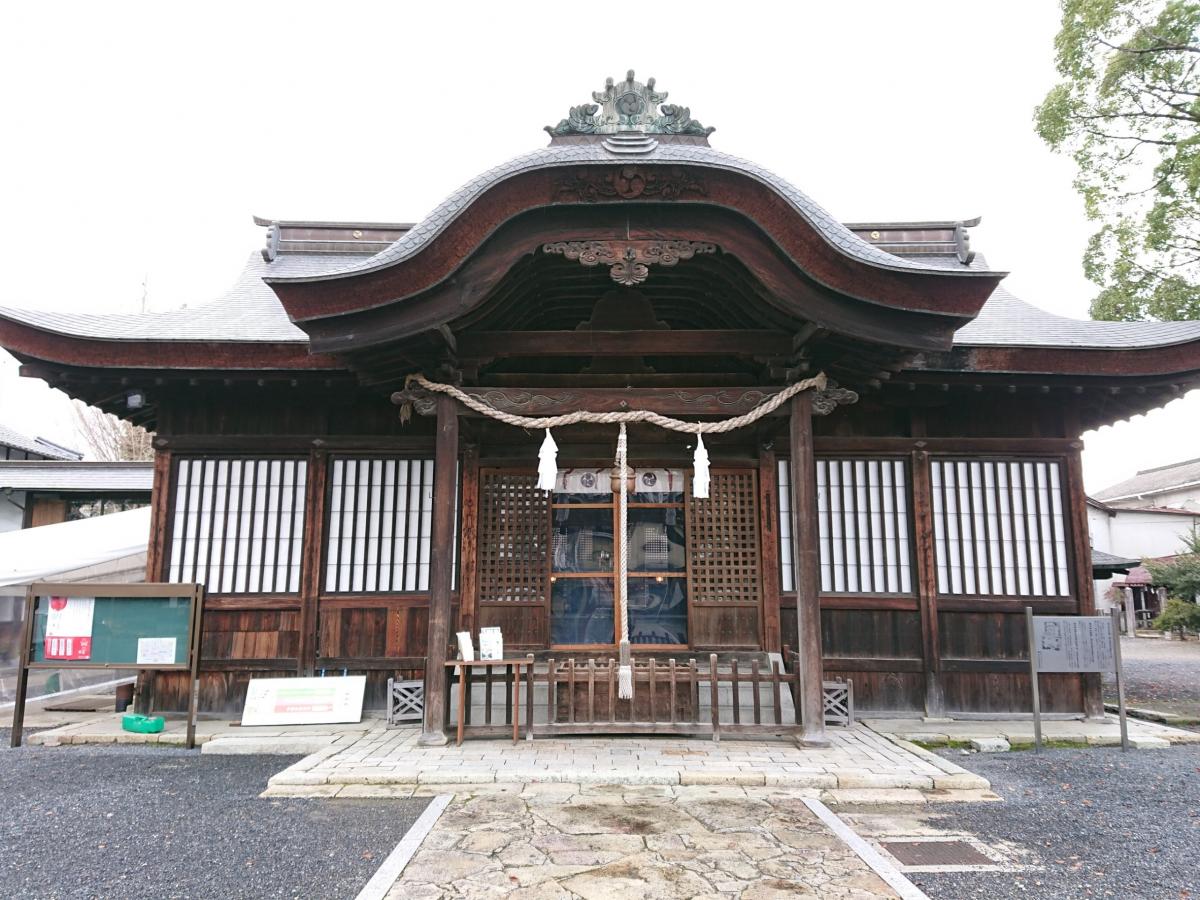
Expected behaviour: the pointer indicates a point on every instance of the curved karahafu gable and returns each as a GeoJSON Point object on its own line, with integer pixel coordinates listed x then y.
{"type": "Point", "coordinates": [586, 171]}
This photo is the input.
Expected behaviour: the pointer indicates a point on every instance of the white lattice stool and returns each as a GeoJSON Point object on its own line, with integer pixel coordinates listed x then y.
{"type": "Point", "coordinates": [838, 702]}
{"type": "Point", "coordinates": [406, 701]}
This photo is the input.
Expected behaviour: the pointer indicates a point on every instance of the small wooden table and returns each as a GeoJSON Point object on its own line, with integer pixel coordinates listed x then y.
{"type": "Point", "coordinates": [517, 665]}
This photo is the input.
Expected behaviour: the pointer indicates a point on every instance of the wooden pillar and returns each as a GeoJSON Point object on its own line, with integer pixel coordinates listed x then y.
{"type": "Point", "coordinates": [926, 573]}
{"type": "Point", "coordinates": [1081, 554]}
{"type": "Point", "coordinates": [805, 552]}
{"type": "Point", "coordinates": [440, 569]}
{"type": "Point", "coordinates": [768, 492]}
{"type": "Point", "coordinates": [156, 558]}
{"type": "Point", "coordinates": [468, 575]}
{"type": "Point", "coordinates": [312, 561]}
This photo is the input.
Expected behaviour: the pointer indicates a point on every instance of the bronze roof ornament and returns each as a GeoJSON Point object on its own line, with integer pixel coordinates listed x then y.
{"type": "Point", "coordinates": [629, 106]}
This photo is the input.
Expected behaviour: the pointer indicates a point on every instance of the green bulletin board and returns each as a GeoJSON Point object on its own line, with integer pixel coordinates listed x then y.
{"type": "Point", "coordinates": [111, 626]}
{"type": "Point", "coordinates": [117, 625]}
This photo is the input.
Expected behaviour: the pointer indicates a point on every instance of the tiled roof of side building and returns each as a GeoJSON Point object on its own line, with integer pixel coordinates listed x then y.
{"type": "Point", "coordinates": [1102, 560]}
{"type": "Point", "coordinates": [36, 446]}
{"type": "Point", "coordinates": [75, 476]}
{"type": "Point", "coordinates": [1152, 481]}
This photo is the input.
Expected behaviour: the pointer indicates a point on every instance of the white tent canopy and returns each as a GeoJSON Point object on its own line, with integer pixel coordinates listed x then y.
{"type": "Point", "coordinates": [50, 551]}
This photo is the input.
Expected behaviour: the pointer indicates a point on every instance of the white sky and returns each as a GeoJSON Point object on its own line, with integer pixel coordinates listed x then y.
{"type": "Point", "coordinates": [141, 137]}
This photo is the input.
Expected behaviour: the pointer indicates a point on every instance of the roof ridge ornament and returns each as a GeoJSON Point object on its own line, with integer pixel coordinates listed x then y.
{"type": "Point", "coordinates": [629, 106]}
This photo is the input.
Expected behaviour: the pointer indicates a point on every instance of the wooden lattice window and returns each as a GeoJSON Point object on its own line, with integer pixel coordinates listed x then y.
{"type": "Point", "coordinates": [237, 524]}
{"type": "Point", "coordinates": [862, 509]}
{"type": "Point", "coordinates": [1000, 528]}
{"type": "Point", "coordinates": [379, 521]}
{"type": "Point", "coordinates": [863, 522]}
{"type": "Point", "coordinates": [513, 563]}
{"type": "Point", "coordinates": [724, 562]}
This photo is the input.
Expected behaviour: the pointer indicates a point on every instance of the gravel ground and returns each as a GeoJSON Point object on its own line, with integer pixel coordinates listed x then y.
{"type": "Point", "coordinates": [1161, 675]}
{"type": "Point", "coordinates": [1102, 824]}
{"type": "Point", "coordinates": [133, 823]}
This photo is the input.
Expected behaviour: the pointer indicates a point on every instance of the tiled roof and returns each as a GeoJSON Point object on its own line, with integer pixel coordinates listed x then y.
{"type": "Point", "coordinates": [570, 154]}
{"type": "Point", "coordinates": [248, 311]}
{"type": "Point", "coordinates": [77, 476]}
{"type": "Point", "coordinates": [1007, 321]}
{"type": "Point", "coordinates": [1108, 562]}
{"type": "Point", "coordinates": [1154, 481]}
{"type": "Point", "coordinates": [38, 446]}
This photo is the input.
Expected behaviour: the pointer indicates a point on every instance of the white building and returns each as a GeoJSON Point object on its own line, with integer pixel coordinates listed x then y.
{"type": "Point", "coordinates": [1134, 534]}
{"type": "Point", "coordinates": [1176, 486]}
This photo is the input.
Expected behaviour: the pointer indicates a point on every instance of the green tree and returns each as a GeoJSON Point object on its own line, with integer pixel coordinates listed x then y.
{"type": "Point", "coordinates": [1181, 575]}
{"type": "Point", "coordinates": [1128, 111]}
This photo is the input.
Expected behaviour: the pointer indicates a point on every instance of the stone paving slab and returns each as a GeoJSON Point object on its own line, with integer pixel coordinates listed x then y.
{"type": "Point", "coordinates": [225, 735]}
{"type": "Point", "coordinates": [1101, 732]}
{"type": "Point", "coordinates": [856, 759]}
{"type": "Point", "coordinates": [620, 842]}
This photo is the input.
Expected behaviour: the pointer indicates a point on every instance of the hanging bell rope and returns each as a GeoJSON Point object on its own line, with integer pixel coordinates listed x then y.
{"type": "Point", "coordinates": [625, 670]}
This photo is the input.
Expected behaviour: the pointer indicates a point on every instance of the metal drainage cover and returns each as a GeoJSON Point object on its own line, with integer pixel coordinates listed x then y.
{"type": "Point", "coordinates": [936, 853]}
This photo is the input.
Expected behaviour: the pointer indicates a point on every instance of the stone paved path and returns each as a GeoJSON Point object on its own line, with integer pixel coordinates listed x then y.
{"type": "Point", "coordinates": [856, 759]}
{"type": "Point", "coordinates": [610, 842]}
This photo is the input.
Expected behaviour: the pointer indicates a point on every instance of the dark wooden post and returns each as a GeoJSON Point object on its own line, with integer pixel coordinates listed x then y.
{"type": "Point", "coordinates": [807, 572]}
{"type": "Point", "coordinates": [156, 558]}
{"type": "Point", "coordinates": [926, 572]}
{"type": "Point", "coordinates": [312, 562]}
{"type": "Point", "coordinates": [468, 574]}
{"type": "Point", "coordinates": [768, 491]}
{"type": "Point", "coordinates": [441, 558]}
{"type": "Point", "coordinates": [1081, 556]}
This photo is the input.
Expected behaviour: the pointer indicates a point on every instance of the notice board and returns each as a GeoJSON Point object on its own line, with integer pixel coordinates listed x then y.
{"type": "Point", "coordinates": [1073, 643]}
{"type": "Point", "coordinates": [110, 626]}
{"type": "Point", "coordinates": [116, 632]}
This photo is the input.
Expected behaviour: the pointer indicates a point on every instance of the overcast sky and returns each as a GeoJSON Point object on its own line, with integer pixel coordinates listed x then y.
{"type": "Point", "coordinates": [142, 137]}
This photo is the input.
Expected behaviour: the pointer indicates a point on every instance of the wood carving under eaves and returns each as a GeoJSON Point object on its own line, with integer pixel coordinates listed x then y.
{"type": "Point", "coordinates": [826, 401]}
{"type": "Point", "coordinates": [628, 183]}
{"type": "Point", "coordinates": [628, 261]}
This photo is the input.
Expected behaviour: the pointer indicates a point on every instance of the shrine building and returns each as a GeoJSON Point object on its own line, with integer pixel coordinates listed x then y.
{"type": "Point", "coordinates": [885, 524]}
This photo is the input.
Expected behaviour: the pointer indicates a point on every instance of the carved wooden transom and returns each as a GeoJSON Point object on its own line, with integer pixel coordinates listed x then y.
{"type": "Point", "coordinates": [628, 261]}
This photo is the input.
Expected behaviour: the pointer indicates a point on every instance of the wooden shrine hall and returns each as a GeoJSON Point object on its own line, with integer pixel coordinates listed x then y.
{"type": "Point", "coordinates": [885, 526]}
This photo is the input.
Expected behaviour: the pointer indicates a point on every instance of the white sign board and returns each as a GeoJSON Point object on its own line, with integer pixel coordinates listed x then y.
{"type": "Point", "coordinates": [156, 651]}
{"type": "Point", "coordinates": [491, 643]}
{"type": "Point", "coordinates": [304, 701]}
{"type": "Point", "coordinates": [1074, 643]}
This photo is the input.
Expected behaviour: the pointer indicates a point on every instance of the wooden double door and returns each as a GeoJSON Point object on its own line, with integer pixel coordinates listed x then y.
{"type": "Point", "coordinates": [547, 563]}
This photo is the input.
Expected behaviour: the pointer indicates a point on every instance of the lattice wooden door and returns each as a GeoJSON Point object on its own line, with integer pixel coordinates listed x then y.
{"type": "Point", "coordinates": [725, 562]}
{"type": "Point", "coordinates": [513, 558]}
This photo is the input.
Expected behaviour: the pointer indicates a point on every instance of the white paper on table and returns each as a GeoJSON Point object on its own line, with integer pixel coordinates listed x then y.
{"type": "Point", "coordinates": [156, 651]}
{"type": "Point", "coordinates": [464, 646]}
{"type": "Point", "coordinates": [491, 643]}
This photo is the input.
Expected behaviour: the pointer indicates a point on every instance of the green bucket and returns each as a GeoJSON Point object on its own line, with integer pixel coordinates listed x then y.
{"type": "Point", "coordinates": [143, 724]}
